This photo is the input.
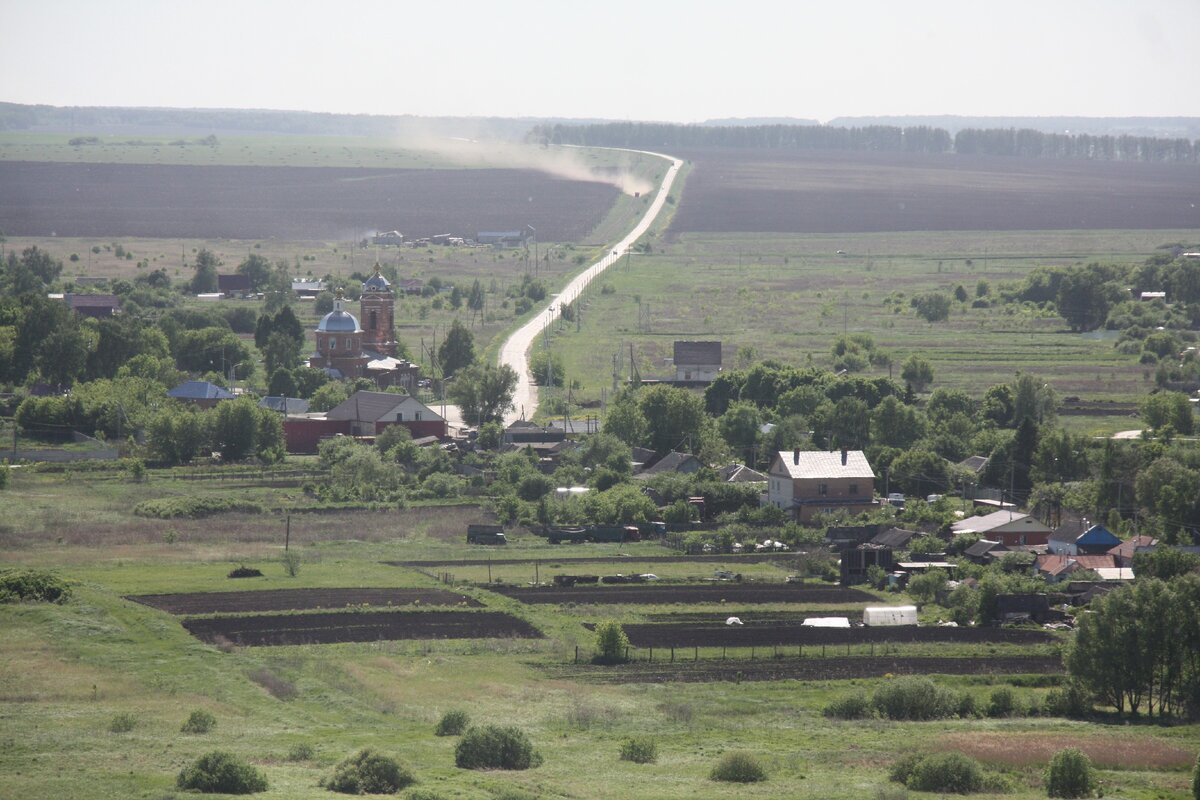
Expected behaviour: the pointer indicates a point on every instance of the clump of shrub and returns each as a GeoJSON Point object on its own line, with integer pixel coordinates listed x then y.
{"type": "Point", "coordinates": [855, 706]}
{"type": "Point", "coordinates": [221, 772]}
{"type": "Point", "coordinates": [301, 752]}
{"type": "Point", "coordinates": [639, 750]}
{"type": "Point", "coordinates": [1070, 774]}
{"type": "Point", "coordinates": [1072, 702]}
{"type": "Point", "coordinates": [495, 747]}
{"type": "Point", "coordinates": [31, 585]}
{"type": "Point", "coordinates": [368, 772]}
{"type": "Point", "coordinates": [738, 767]}
{"type": "Point", "coordinates": [200, 721]}
{"type": "Point", "coordinates": [939, 772]}
{"type": "Point", "coordinates": [452, 723]}
{"type": "Point", "coordinates": [914, 698]}
{"type": "Point", "coordinates": [193, 507]}
{"type": "Point", "coordinates": [242, 571]}
{"type": "Point", "coordinates": [122, 723]}
{"type": "Point", "coordinates": [1003, 703]}
{"type": "Point", "coordinates": [612, 645]}
{"type": "Point", "coordinates": [279, 688]}
{"type": "Point", "coordinates": [291, 563]}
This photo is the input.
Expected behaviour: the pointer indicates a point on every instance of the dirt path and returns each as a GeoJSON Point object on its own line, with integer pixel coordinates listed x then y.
{"type": "Point", "coordinates": [515, 349]}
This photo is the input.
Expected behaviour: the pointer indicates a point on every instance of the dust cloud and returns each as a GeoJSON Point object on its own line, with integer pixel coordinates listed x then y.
{"type": "Point", "coordinates": [561, 162]}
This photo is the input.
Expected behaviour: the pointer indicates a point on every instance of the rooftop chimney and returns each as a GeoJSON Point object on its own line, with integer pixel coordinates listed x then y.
{"type": "Point", "coordinates": [843, 456]}
{"type": "Point", "coordinates": [796, 456]}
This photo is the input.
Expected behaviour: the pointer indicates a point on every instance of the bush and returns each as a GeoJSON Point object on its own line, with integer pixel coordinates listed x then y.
{"type": "Point", "coordinates": [738, 768]}
{"type": "Point", "coordinates": [855, 706]}
{"type": "Point", "coordinates": [1196, 780]}
{"type": "Point", "coordinates": [220, 772]}
{"type": "Point", "coordinates": [291, 563]}
{"type": "Point", "coordinates": [192, 507]}
{"type": "Point", "coordinates": [945, 772]}
{"type": "Point", "coordinates": [422, 794]}
{"type": "Point", "coordinates": [368, 772]}
{"type": "Point", "coordinates": [1070, 774]}
{"type": "Point", "coordinates": [1003, 703]}
{"type": "Point", "coordinates": [17, 585]}
{"type": "Point", "coordinates": [301, 752]}
{"type": "Point", "coordinates": [452, 723]}
{"type": "Point", "coordinates": [200, 721]}
{"type": "Point", "coordinates": [639, 750]}
{"type": "Point", "coordinates": [1072, 702]}
{"type": "Point", "coordinates": [494, 747]}
{"type": "Point", "coordinates": [611, 643]}
{"type": "Point", "coordinates": [242, 571]}
{"type": "Point", "coordinates": [914, 698]}
{"type": "Point", "coordinates": [122, 723]}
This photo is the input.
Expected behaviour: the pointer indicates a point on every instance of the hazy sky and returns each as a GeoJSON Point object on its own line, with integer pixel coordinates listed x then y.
{"type": "Point", "coordinates": [621, 59]}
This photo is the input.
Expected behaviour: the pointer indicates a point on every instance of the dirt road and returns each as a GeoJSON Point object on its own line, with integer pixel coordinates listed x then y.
{"type": "Point", "coordinates": [515, 349]}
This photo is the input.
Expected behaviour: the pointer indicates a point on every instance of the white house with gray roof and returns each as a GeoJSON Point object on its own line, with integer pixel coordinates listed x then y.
{"type": "Point", "coordinates": [808, 483]}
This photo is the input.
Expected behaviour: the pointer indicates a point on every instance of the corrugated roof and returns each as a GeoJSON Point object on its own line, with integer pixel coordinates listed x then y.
{"type": "Point", "coordinates": [995, 520]}
{"type": "Point", "coordinates": [699, 353]}
{"type": "Point", "coordinates": [199, 390]}
{"type": "Point", "coordinates": [820, 464]}
{"type": "Point", "coordinates": [366, 406]}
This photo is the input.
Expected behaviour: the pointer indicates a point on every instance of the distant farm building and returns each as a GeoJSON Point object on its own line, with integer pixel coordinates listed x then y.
{"type": "Point", "coordinates": [98, 306]}
{"type": "Point", "coordinates": [235, 285]}
{"type": "Point", "coordinates": [505, 238]}
{"type": "Point", "coordinates": [697, 361]}
{"type": "Point", "coordinates": [307, 288]}
{"type": "Point", "coordinates": [200, 393]}
{"type": "Point", "coordinates": [389, 238]}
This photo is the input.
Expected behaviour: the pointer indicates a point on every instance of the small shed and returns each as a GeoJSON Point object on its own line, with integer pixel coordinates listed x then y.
{"type": "Point", "coordinates": [890, 615]}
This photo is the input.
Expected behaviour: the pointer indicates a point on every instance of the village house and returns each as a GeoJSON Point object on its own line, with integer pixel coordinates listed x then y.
{"type": "Point", "coordinates": [1057, 567]}
{"type": "Point", "coordinates": [363, 414]}
{"type": "Point", "coordinates": [1124, 552]}
{"type": "Point", "coordinates": [697, 361]}
{"type": "Point", "coordinates": [815, 482]}
{"type": "Point", "coordinates": [98, 306]}
{"type": "Point", "coordinates": [1096, 540]}
{"type": "Point", "coordinates": [233, 286]}
{"type": "Point", "coordinates": [1009, 528]}
{"type": "Point", "coordinates": [200, 393]}
{"type": "Point", "coordinates": [672, 462]}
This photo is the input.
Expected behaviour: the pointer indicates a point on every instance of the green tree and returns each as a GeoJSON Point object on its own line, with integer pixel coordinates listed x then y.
{"type": "Point", "coordinates": [205, 279]}
{"type": "Point", "coordinates": [849, 424]}
{"type": "Point", "coordinates": [625, 420]}
{"type": "Point", "coordinates": [175, 435]}
{"type": "Point", "coordinates": [457, 351]}
{"type": "Point", "coordinates": [674, 417]}
{"type": "Point", "coordinates": [932, 307]}
{"type": "Point", "coordinates": [282, 383]}
{"type": "Point", "coordinates": [240, 429]}
{"type": "Point", "coordinates": [209, 350]}
{"type": "Point", "coordinates": [894, 424]}
{"type": "Point", "coordinates": [919, 472]}
{"type": "Point", "coordinates": [1172, 410]}
{"type": "Point", "coordinates": [612, 645]}
{"type": "Point", "coordinates": [740, 424]}
{"type": "Point", "coordinates": [917, 372]}
{"type": "Point", "coordinates": [281, 352]}
{"type": "Point", "coordinates": [483, 392]}
{"type": "Point", "coordinates": [1070, 774]}
{"type": "Point", "coordinates": [257, 269]}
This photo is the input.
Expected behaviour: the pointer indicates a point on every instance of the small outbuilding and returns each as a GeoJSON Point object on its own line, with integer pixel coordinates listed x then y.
{"type": "Point", "coordinates": [890, 616]}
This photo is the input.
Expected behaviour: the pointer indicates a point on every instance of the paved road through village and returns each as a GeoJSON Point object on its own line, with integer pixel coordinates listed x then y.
{"type": "Point", "coordinates": [514, 351]}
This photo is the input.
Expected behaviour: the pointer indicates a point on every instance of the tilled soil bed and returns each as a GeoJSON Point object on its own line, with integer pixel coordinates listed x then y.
{"type": "Point", "coordinates": [726, 560]}
{"type": "Point", "coordinates": [368, 626]}
{"type": "Point", "coordinates": [766, 635]}
{"type": "Point", "coordinates": [808, 669]}
{"type": "Point", "coordinates": [658, 594]}
{"type": "Point", "coordinates": [298, 600]}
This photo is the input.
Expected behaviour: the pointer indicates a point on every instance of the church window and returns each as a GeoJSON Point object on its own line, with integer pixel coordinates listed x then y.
{"type": "Point", "coordinates": [374, 323]}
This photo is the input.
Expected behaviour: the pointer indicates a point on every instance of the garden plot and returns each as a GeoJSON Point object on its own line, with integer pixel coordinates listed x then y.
{"type": "Point", "coordinates": [298, 600]}
{"type": "Point", "coordinates": [655, 595]}
{"type": "Point", "coordinates": [293, 629]}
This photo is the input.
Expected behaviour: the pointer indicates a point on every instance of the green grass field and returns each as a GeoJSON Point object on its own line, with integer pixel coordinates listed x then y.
{"type": "Point", "coordinates": [788, 297]}
{"type": "Point", "coordinates": [67, 670]}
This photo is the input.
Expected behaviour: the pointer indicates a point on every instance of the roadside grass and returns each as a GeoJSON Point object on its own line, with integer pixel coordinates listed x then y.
{"type": "Point", "coordinates": [790, 296]}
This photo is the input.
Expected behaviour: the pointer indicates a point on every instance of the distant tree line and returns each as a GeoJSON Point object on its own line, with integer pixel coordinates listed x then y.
{"type": "Point", "coordinates": [1025, 143]}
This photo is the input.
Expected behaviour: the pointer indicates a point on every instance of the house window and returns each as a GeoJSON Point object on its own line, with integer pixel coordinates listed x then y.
{"type": "Point", "coordinates": [853, 491]}
{"type": "Point", "coordinates": [399, 416]}
{"type": "Point", "coordinates": [332, 343]}
{"type": "Point", "coordinates": [822, 489]}
{"type": "Point", "coordinates": [373, 320]}
{"type": "Point", "coordinates": [417, 416]}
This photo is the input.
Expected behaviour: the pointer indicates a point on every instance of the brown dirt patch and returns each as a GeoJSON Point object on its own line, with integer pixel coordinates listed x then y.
{"type": "Point", "coordinates": [1108, 752]}
{"type": "Point", "coordinates": [654, 595]}
{"type": "Point", "coordinates": [240, 202]}
{"type": "Point", "coordinates": [292, 629]}
{"type": "Point", "coordinates": [839, 192]}
{"type": "Point", "coordinates": [751, 634]}
{"type": "Point", "coordinates": [298, 599]}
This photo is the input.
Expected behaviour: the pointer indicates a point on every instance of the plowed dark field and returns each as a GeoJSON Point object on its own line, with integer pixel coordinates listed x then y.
{"type": "Point", "coordinates": [359, 627]}
{"type": "Point", "coordinates": [722, 560]}
{"type": "Point", "coordinates": [809, 669]}
{"type": "Point", "coordinates": [297, 600]}
{"type": "Point", "coordinates": [228, 202]}
{"type": "Point", "coordinates": [653, 595]}
{"type": "Point", "coordinates": [783, 634]}
{"type": "Point", "coordinates": [826, 192]}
